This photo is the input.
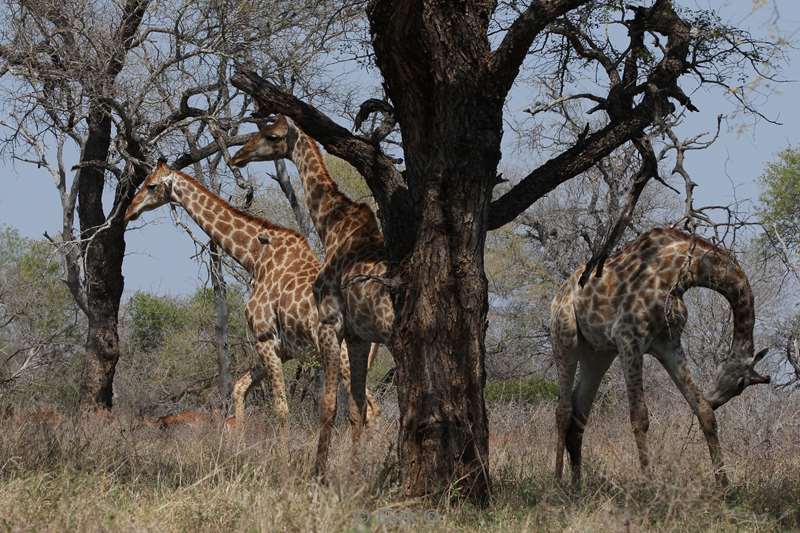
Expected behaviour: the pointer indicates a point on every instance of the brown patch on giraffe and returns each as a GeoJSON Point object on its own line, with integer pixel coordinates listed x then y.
{"type": "Point", "coordinates": [298, 292]}
{"type": "Point", "coordinates": [240, 238]}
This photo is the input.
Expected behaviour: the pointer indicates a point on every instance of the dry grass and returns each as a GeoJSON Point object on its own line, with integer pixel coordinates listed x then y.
{"type": "Point", "coordinates": [120, 475]}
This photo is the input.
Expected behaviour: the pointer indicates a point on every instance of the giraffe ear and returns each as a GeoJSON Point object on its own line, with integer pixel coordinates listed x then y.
{"type": "Point", "coordinates": [759, 356]}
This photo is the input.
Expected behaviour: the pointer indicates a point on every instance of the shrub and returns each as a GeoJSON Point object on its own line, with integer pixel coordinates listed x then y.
{"type": "Point", "coordinates": [530, 390]}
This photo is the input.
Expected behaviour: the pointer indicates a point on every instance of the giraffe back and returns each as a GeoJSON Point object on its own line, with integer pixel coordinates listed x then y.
{"type": "Point", "coordinates": [282, 302]}
{"type": "Point", "coordinates": [642, 285]}
{"type": "Point", "coordinates": [355, 264]}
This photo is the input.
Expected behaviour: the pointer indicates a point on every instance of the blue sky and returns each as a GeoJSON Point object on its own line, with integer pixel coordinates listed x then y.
{"type": "Point", "coordinates": [159, 254]}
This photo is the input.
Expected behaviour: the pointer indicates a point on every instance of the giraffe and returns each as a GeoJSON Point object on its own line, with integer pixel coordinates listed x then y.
{"type": "Point", "coordinates": [352, 303]}
{"type": "Point", "coordinates": [281, 311]}
{"type": "Point", "coordinates": [634, 307]}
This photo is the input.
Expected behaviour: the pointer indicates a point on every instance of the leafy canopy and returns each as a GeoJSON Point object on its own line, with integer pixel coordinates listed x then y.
{"type": "Point", "coordinates": [781, 197]}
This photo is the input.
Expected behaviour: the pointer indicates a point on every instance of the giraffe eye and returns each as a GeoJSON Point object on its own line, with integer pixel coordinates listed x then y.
{"type": "Point", "coordinates": [152, 187]}
{"type": "Point", "coordinates": [273, 137]}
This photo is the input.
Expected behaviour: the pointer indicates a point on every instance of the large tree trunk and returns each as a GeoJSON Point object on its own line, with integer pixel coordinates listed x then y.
{"type": "Point", "coordinates": [104, 247]}
{"type": "Point", "coordinates": [433, 63]}
{"type": "Point", "coordinates": [439, 333]}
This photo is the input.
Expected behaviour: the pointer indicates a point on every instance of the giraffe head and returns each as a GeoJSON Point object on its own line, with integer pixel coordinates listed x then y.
{"type": "Point", "coordinates": [155, 192]}
{"type": "Point", "coordinates": [274, 141]}
{"type": "Point", "coordinates": [735, 375]}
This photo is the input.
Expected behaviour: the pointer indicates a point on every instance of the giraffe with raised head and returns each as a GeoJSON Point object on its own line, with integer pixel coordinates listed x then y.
{"type": "Point", "coordinates": [281, 311]}
{"type": "Point", "coordinates": [634, 307]}
{"type": "Point", "coordinates": [353, 303]}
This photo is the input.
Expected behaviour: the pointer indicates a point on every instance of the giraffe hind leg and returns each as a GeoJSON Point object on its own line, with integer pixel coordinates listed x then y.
{"type": "Point", "coordinates": [632, 359]}
{"type": "Point", "coordinates": [565, 339]}
{"type": "Point", "coordinates": [242, 388]}
{"type": "Point", "coordinates": [330, 341]}
{"type": "Point", "coordinates": [566, 376]}
{"type": "Point", "coordinates": [593, 367]}
{"type": "Point", "coordinates": [274, 367]}
{"type": "Point", "coordinates": [359, 358]}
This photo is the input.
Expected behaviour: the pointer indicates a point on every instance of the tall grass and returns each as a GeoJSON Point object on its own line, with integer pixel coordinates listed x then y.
{"type": "Point", "coordinates": [94, 474]}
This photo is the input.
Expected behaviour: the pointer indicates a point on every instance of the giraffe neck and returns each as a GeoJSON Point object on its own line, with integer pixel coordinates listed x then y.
{"type": "Point", "coordinates": [717, 270]}
{"type": "Point", "coordinates": [235, 232]}
{"type": "Point", "coordinates": [322, 194]}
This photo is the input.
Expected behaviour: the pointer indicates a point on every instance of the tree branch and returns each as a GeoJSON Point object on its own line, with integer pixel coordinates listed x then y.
{"type": "Point", "coordinates": [507, 59]}
{"type": "Point", "coordinates": [627, 123]}
{"type": "Point", "coordinates": [194, 155]}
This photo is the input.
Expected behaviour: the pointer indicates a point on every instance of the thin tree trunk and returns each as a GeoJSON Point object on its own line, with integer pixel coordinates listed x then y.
{"type": "Point", "coordinates": [103, 238]}
{"type": "Point", "coordinates": [103, 246]}
{"type": "Point", "coordinates": [225, 381]}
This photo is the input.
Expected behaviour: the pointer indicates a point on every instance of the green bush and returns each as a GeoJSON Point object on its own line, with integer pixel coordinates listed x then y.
{"type": "Point", "coordinates": [152, 317]}
{"type": "Point", "coordinates": [530, 390]}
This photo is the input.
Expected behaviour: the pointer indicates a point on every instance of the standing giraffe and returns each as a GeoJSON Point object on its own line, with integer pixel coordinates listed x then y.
{"type": "Point", "coordinates": [636, 307]}
{"type": "Point", "coordinates": [352, 303]}
{"type": "Point", "coordinates": [281, 311]}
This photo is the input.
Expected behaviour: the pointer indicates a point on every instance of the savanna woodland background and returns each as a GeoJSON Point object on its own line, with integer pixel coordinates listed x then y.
{"type": "Point", "coordinates": [597, 108]}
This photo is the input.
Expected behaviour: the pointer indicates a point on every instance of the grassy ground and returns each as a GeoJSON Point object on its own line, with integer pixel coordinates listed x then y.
{"type": "Point", "coordinates": [120, 475]}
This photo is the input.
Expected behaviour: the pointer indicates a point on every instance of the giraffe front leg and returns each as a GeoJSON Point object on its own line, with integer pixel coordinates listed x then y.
{"type": "Point", "coordinates": [274, 368]}
{"type": "Point", "coordinates": [330, 342]}
{"type": "Point", "coordinates": [373, 407]}
{"type": "Point", "coordinates": [359, 358]}
{"type": "Point", "coordinates": [640, 419]}
{"type": "Point", "coordinates": [242, 388]}
{"type": "Point", "coordinates": [674, 361]}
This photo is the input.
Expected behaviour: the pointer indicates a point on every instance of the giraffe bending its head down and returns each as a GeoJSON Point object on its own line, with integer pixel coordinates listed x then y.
{"type": "Point", "coordinates": [281, 311]}
{"type": "Point", "coordinates": [636, 307]}
{"type": "Point", "coordinates": [352, 302]}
